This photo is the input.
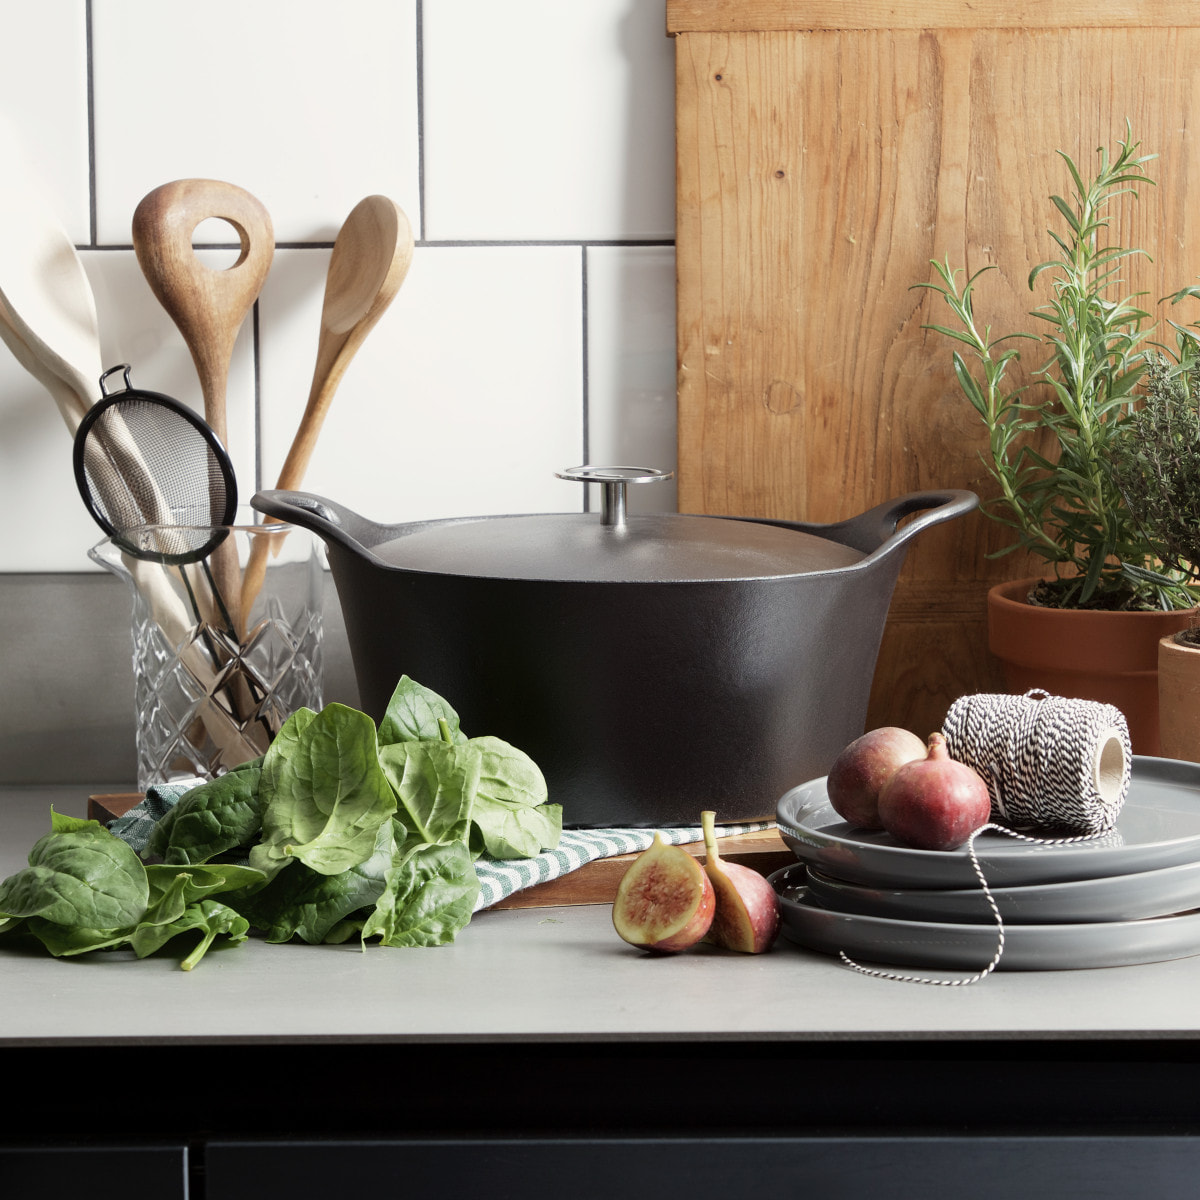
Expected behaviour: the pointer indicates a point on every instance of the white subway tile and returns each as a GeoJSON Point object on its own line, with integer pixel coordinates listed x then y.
{"type": "Point", "coordinates": [465, 399]}
{"type": "Point", "coordinates": [48, 528]}
{"type": "Point", "coordinates": [631, 365]}
{"type": "Point", "coordinates": [308, 105]}
{"type": "Point", "coordinates": [43, 100]}
{"type": "Point", "coordinates": [546, 120]}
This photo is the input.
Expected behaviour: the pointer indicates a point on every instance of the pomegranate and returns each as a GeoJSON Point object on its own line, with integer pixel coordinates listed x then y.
{"type": "Point", "coordinates": [934, 803]}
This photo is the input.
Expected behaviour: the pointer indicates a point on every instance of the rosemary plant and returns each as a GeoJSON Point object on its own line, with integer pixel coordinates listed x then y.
{"type": "Point", "coordinates": [1052, 441]}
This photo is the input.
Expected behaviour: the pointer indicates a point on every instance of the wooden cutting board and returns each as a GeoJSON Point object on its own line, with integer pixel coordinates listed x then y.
{"type": "Point", "coordinates": [594, 882]}
{"type": "Point", "coordinates": [826, 152]}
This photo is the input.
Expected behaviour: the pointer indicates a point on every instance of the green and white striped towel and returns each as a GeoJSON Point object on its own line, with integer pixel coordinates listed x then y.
{"type": "Point", "coordinates": [498, 878]}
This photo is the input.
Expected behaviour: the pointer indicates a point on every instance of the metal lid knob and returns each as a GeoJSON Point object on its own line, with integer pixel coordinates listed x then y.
{"type": "Point", "coordinates": [613, 479]}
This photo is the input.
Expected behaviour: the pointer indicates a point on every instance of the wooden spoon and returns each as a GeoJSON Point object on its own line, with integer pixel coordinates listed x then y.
{"type": "Point", "coordinates": [371, 257]}
{"type": "Point", "coordinates": [71, 404]}
{"type": "Point", "coordinates": [46, 296]}
{"type": "Point", "coordinates": [208, 306]}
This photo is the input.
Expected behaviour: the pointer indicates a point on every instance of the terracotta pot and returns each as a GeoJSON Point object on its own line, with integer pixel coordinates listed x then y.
{"type": "Point", "coordinates": [1107, 656]}
{"type": "Point", "coordinates": [1179, 699]}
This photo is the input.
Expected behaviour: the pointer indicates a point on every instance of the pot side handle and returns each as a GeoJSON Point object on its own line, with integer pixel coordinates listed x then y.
{"type": "Point", "coordinates": [877, 531]}
{"type": "Point", "coordinates": [329, 521]}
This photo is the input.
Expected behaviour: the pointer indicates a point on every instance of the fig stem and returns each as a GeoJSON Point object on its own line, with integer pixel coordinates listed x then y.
{"type": "Point", "coordinates": [708, 824]}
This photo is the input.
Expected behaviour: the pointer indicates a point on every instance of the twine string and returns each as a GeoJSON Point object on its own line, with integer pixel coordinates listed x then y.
{"type": "Point", "coordinates": [987, 891]}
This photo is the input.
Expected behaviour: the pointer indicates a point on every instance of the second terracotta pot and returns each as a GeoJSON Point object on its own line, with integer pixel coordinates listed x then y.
{"type": "Point", "coordinates": [1111, 657]}
{"type": "Point", "coordinates": [1179, 699]}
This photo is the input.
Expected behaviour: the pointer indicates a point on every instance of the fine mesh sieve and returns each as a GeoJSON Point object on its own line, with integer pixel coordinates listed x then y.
{"type": "Point", "coordinates": [146, 462]}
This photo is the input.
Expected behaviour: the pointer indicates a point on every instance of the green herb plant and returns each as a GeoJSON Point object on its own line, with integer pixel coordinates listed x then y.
{"type": "Point", "coordinates": [1052, 441]}
{"type": "Point", "coordinates": [1157, 467]}
{"type": "Point", "coordinates": [339, 829]}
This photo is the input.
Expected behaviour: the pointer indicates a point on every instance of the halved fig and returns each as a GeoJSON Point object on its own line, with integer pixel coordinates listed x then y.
{"type": "Point", "coordinates": [747, 917]}
{"type": "Point", "coordinates": [664, 901]}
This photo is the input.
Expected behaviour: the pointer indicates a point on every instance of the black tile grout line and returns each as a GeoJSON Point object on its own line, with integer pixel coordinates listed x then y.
{"type": "Point", "coordinates": [89, 56]}
{"type": "Point", "coordinates": [583, 366]}
{"type": "Point", "coordinates": [255, 344]}
{"type": "Point", "coordinates": [420, 51]}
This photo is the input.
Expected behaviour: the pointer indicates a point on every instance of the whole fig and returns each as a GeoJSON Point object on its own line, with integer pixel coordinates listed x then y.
{"type": "Point", "coordinates": [934, 803]}
{"type": "Point", "coordinates": [861, 770]}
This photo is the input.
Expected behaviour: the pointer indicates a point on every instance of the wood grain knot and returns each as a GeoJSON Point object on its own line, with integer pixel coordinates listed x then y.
{"type": "Point", "coordinates": [782, 397]}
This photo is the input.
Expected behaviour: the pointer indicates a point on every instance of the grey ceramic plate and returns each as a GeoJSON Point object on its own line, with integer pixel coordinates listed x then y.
{"type": "Point", "coordinates": [937, 945]}
{"type": "Point", "coordinates": [1159, 826]}
{"type": "Point", "coordinates": [1114, 898]}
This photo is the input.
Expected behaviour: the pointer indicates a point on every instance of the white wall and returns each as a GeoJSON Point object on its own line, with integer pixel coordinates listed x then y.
{"type": "Point", "coordinates": [530, 142]}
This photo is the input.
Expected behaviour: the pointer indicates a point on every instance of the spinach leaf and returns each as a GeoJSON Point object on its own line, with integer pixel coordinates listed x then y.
{"type": "Point", "coordinates": [211, 818]}
{"type": "Point", "coordinates": [429, 897]}
{"type": "Point", "coordinates": [508, 774]}
{"type": "Point", "coordinates": [78, 874]}
{"type": "Point", "coordinates": [174, 887]}
{"type": "Point", "coordinates": [511, 818]}
{"type": "Point", "coordinates": [65, 941]}
{"type": "Point", "coordinates": [413, 714]}
{"type": "Point", "coordinates": [343, 931]}
{"type": "Point", "coordinates": [511, 830]}
{"type": "Point", "coordinates": [323, 793]}
{"type": "Point", "coordinates": [303, 903]}
{"type": "Point", "coordinates": [435, 784]}
{"type": "Point", "coordinates": [210, 918]}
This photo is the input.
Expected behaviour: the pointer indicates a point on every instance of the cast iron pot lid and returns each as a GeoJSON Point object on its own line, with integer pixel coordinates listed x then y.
{"type": "Point", "coordinates": [613, 546]}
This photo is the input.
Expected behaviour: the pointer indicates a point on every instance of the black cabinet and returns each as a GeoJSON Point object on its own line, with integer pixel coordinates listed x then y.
{"type": "Point", "coordinates": [64, 1171]}
{"type": "Point", "coordinates": [833, 1168]}
{"type": "Point", "coordinates": [621, 1120]}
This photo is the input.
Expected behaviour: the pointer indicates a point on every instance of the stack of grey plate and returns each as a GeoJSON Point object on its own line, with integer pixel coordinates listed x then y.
{"type": "Point", "coordinates": [1129, 896]}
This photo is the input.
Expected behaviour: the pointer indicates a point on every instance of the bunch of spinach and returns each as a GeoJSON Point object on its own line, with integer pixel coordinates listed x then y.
{"type": "Point", "coordinates": [85, 889]}
{"type": "Point", "coordinates": [338, 829]}
{"type": "Point", "coordinates": [363, 830]}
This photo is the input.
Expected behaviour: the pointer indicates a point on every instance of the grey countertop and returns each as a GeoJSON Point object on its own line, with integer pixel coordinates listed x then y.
{"type": "Point", "coordinates": [544, 975]}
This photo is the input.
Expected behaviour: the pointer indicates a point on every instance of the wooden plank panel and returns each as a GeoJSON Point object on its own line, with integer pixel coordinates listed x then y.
{"type": "Point", "coordinates": [733, 16]}
{"type": "Point", "coordinates": [818, 173]}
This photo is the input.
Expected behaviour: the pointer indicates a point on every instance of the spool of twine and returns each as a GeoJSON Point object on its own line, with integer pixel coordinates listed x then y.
{"type": "Point", "coordinates": [1049, 762]}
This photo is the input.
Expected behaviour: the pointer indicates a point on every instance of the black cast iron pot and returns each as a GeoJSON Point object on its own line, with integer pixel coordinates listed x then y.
{"type": "Point", "coordinates": [653, 666]}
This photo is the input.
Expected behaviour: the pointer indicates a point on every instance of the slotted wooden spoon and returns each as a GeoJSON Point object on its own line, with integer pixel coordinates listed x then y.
{"type": "Point", "coordinates": [207, 305]}
{"type": "Point", "coordinates": [371, 257]}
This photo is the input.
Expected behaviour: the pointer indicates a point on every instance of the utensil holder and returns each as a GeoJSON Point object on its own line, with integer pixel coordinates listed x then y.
{"type": "Point", "coordinates": [212, 683]}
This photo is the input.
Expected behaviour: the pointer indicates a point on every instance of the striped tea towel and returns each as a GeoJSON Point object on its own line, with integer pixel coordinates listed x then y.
{"type": "Point", "coordinates": [498, 878]}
